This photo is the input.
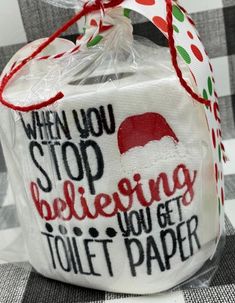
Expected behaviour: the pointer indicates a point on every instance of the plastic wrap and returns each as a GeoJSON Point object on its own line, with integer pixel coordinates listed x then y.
{"type": "Point", "coordinates": [77, 4]}
{"type": "Point", "coordinates": [114, 184]}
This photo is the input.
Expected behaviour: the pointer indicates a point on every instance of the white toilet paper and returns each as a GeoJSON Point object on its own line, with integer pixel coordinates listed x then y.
{"type": "Point", "coordinates": [114, 184]}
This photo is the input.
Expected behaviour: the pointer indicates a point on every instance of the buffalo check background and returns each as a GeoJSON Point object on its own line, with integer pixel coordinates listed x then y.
{"type": "Point", "coordinates": [22, 21]}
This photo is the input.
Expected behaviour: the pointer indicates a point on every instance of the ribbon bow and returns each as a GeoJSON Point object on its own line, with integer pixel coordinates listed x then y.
{"type": "Point", "coordinates": [87, 9]}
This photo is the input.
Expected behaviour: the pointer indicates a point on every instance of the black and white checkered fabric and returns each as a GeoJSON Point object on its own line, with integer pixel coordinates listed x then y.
{"type": "Point", "coordinates": [22, 21]}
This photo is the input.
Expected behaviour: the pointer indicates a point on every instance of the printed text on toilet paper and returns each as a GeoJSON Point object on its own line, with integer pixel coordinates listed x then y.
{"type": "Point", "coordinates": [147, 218]}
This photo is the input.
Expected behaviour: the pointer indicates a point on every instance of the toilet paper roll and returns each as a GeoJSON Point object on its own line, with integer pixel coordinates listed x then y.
{"type": "Point", "coordinates": [114, 184]}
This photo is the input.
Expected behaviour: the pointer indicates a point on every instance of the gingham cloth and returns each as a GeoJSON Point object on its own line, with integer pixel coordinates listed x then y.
{"type": "Point", "coordinates": [26, 20]}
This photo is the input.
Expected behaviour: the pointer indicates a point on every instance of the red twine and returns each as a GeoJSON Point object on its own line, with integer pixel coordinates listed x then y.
{"type": "Point", "coordinates": [87, 9]}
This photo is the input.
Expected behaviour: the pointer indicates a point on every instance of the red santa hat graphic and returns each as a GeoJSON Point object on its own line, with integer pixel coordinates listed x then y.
{"type": "Point", "coordinates": [141, 129]}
